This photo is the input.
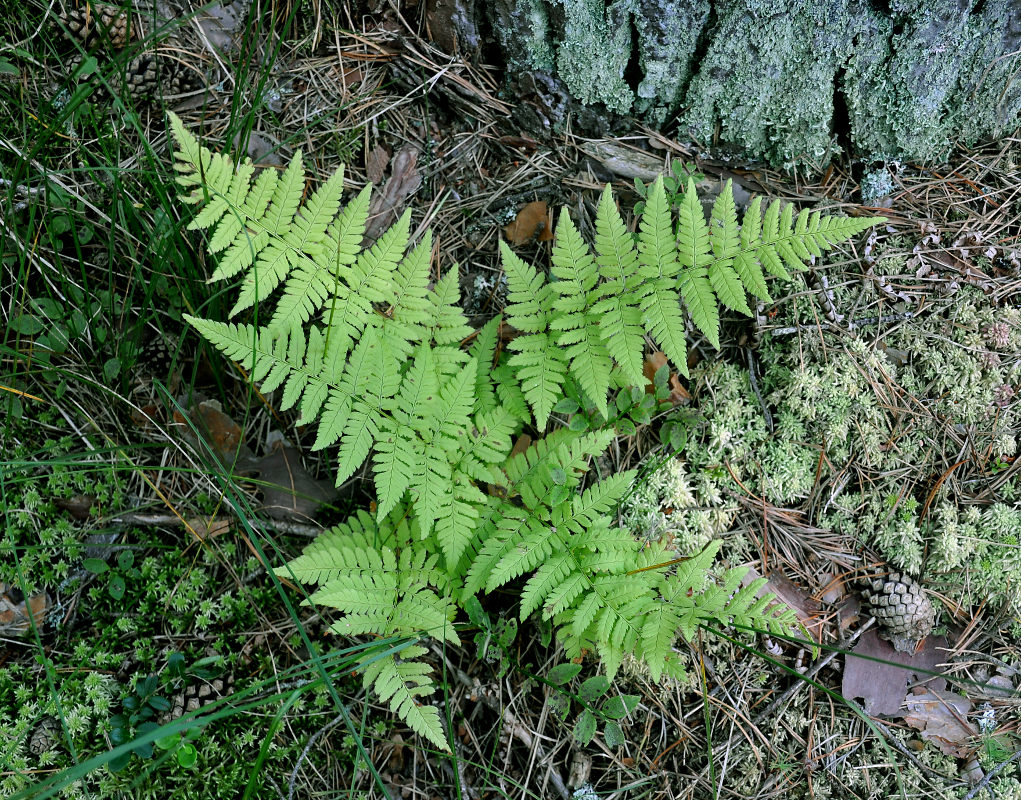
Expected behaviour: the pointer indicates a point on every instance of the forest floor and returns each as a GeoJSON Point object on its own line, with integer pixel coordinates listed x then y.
{"type": "Point", "coordinates": [868, 417]}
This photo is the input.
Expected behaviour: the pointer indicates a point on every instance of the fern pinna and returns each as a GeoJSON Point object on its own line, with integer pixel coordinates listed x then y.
{"type": "Point", "coordinates": [590, 322]}
{"type": "Point", "coordinates": [366, 346]}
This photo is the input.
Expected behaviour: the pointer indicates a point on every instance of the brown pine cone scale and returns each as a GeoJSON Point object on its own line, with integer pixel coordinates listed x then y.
{"type": "Point", "coordinates": [901, 608]}
{"type": "Point", "coordinates": [96, 24]}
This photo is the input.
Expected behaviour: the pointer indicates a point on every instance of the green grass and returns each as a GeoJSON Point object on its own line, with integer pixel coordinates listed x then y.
{"type": "Point", "coordinates": [95, 265]}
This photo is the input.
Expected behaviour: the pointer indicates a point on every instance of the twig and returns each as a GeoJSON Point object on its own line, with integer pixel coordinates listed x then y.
{"type": "Point", "coordinates": [315, 737]}
{"type": "Point", "coordinates": [280, 525]}
{"type": "Point", "coordinates": [850, 326]}
{"type": "Point", "coordinates": [787, 695]}
{"type": "Point", "coordinates": [755, 388]}
{"type": "Point", "coordinates": [518, 731]}
{"type": "Point", "coordinates": [992, 774]}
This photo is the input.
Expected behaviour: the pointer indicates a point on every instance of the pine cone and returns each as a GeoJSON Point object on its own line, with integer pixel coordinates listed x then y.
{"type": "Point", "coordinates": [902, 609]}
{"type": "Point", "coordinates": [183, 80]}
{"type": "Point", "coordinates": [45, 737]}
{"type": "Point", "coordinates": [96, 24]}
{"type": "Point", "coordinates": [195, 696]}
{"type": "Point", "coordinates": [142, 76]}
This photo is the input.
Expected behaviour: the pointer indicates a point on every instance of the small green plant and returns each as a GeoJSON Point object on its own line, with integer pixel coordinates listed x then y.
{"type": "Point", "coordinates": [117, 576]}
{"type": "Point", "coordinates": [494, 639]}
{"type": "Point", "coordinates": [674, 184]}
{"type": "Point", "coordinates": [609, 712]}
{"type": "Point", "coordinates": [359, 342]}
{"type": "Point", "coordinates": [142, 708]}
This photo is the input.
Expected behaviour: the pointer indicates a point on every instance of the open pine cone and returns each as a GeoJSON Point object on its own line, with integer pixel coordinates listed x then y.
{"type": "Point", "coordinates": [96, 24]}
{"type": "Point", "coordinates": [902, 609]}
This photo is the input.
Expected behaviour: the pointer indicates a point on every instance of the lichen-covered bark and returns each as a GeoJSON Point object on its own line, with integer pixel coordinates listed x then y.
{"type": "Point", "coordinates": [771, 94]}
{"type": "Point", "coordinates": [788, 81]}
{"type": "Point", "coordinates": [667, 33]}
{"type": "Point", "coordinates": [898, 97]}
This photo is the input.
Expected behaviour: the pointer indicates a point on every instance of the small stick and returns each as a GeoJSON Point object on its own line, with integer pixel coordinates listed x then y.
{"type": "Point", "coordinates": [519, 731]}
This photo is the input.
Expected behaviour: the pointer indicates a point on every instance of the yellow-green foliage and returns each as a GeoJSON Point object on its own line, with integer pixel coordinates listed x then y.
{"type": "Point", "coordinates": [359, 342]}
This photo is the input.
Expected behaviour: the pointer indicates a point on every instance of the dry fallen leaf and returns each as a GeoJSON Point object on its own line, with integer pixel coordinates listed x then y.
{"type": "Point", "coordinates": [942, 717]}
{"type": "Point", "coordinates": [207, 528]}
{"type": "Point", "coordinates": [288, 490]}
{"type": "Point", "coordinates": [16, 615]}
{"type": "Point", "coordinates": [387, 203]}
{"type": "Point", "coordinates": [77, 506]}
{"type": "Point", "coordinates": [678, 394]}
{"type": "Point", "coordinates": [793, 597]}
{"type": "Point", "coordinates": [219, 431]}
{"type": "Point", "coordinates": [375, 163]}
{"type": "Point", "coordinates": [531, 221]}
{"type": "Point", "coordinates": [883, 683]}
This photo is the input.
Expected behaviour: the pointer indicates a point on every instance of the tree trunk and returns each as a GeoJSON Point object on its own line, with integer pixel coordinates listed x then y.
{"type": "Point", "coordinates": [790, 82]}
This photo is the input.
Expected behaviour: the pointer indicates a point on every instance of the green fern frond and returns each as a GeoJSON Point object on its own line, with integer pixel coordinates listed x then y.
{"type": "Point", "coordinates": [659, 632]}
{"type": "Point", "coordinates": [275, 259]}
{"type": "Point", "coordinates": [483, 350]}
{"type": "Point", "coordinates": [359, 540]}
{"type": "Point", "coordinates": [410, 315]}
{"type": "Point", "coordinates": [361, 345]}
{"type": "Point", "coordinates": [619, 311]}
{"type": "Point", "coordinates": [695, 258]}
{"type": "Point", "coordinates": [541, 369]}
{"type": "Point", "coordinates": [726, 241]}
{"type": "Point", "coordinates": [746, 258]}
{"type": "Point", "coordinates": [399, 683]}
{"type": "Point", "coordinates": [314, 280]}
{"type": "Point", "coordinates": [529, 297]}
{"type": "Point", "coordinates": [398, 458]}
{"type": "Point", "coordinates": [580, 333]}
{"type": "Point", "coordinates": [659, 268]}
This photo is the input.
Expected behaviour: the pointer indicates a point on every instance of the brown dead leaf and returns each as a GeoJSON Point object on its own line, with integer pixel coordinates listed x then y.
{"type": "Point", "coordinates": [521, 444]}
{"type": "Point", "coordinates": [77, 506]}
{"type": "Point", "coordinates": [532, 221]}
{"type": "Point", "coordinates": [219, 431]}
{"type": "Point", "coordinates": [653, 362]}
{"type": "Point", "coordinates": [883, 683]}
{"type": "Point", "coordinates": [525, 143]}
{"type": "Point", "coordinates": [793, 597]}
{"type": "Point", "coordinates": [942, 717]}
{"type": "Point", "coordinates": [288, 490]}
{"type": "Point", "coordinates": [679, 396]}
{"type": "Point", "coordinates": [207, 528]}
{"type": "Point", "coordinates": [375, 163]}
{"type": "Point", "coordinates": [386, 204]}
{"type": "Point", "coordinates": [262, 148]}
{"type": "Point", "coordinates": [16, 616]}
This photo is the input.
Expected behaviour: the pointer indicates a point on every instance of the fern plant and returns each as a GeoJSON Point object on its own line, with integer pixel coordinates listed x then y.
{"type": "Point", "coordinates": [360, 342]}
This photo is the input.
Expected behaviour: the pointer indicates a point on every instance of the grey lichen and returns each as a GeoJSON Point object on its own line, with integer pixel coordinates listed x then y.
{"type": "Point", "coordinates": [791, 84]}
{"type": "Point", "coordinates": [523, 31]}
{"type": "Point", "coordinates": [900, 82]}
{"type": "Point", "coordinates": [667, 34]}
{"type": "Point", "coordinates": [766, 81]}
{"type": "Point", "coordinates": [594, 52]}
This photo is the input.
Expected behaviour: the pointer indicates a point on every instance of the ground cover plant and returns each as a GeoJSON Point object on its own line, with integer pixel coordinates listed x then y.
{"type": "Point", "coordinates": [384, 373]}
{"type": "Point", "coordinates": [146, 648]}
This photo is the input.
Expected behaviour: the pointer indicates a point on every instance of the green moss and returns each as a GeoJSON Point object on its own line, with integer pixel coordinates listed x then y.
{"type": "Point", "coordinates": [867, 430]}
